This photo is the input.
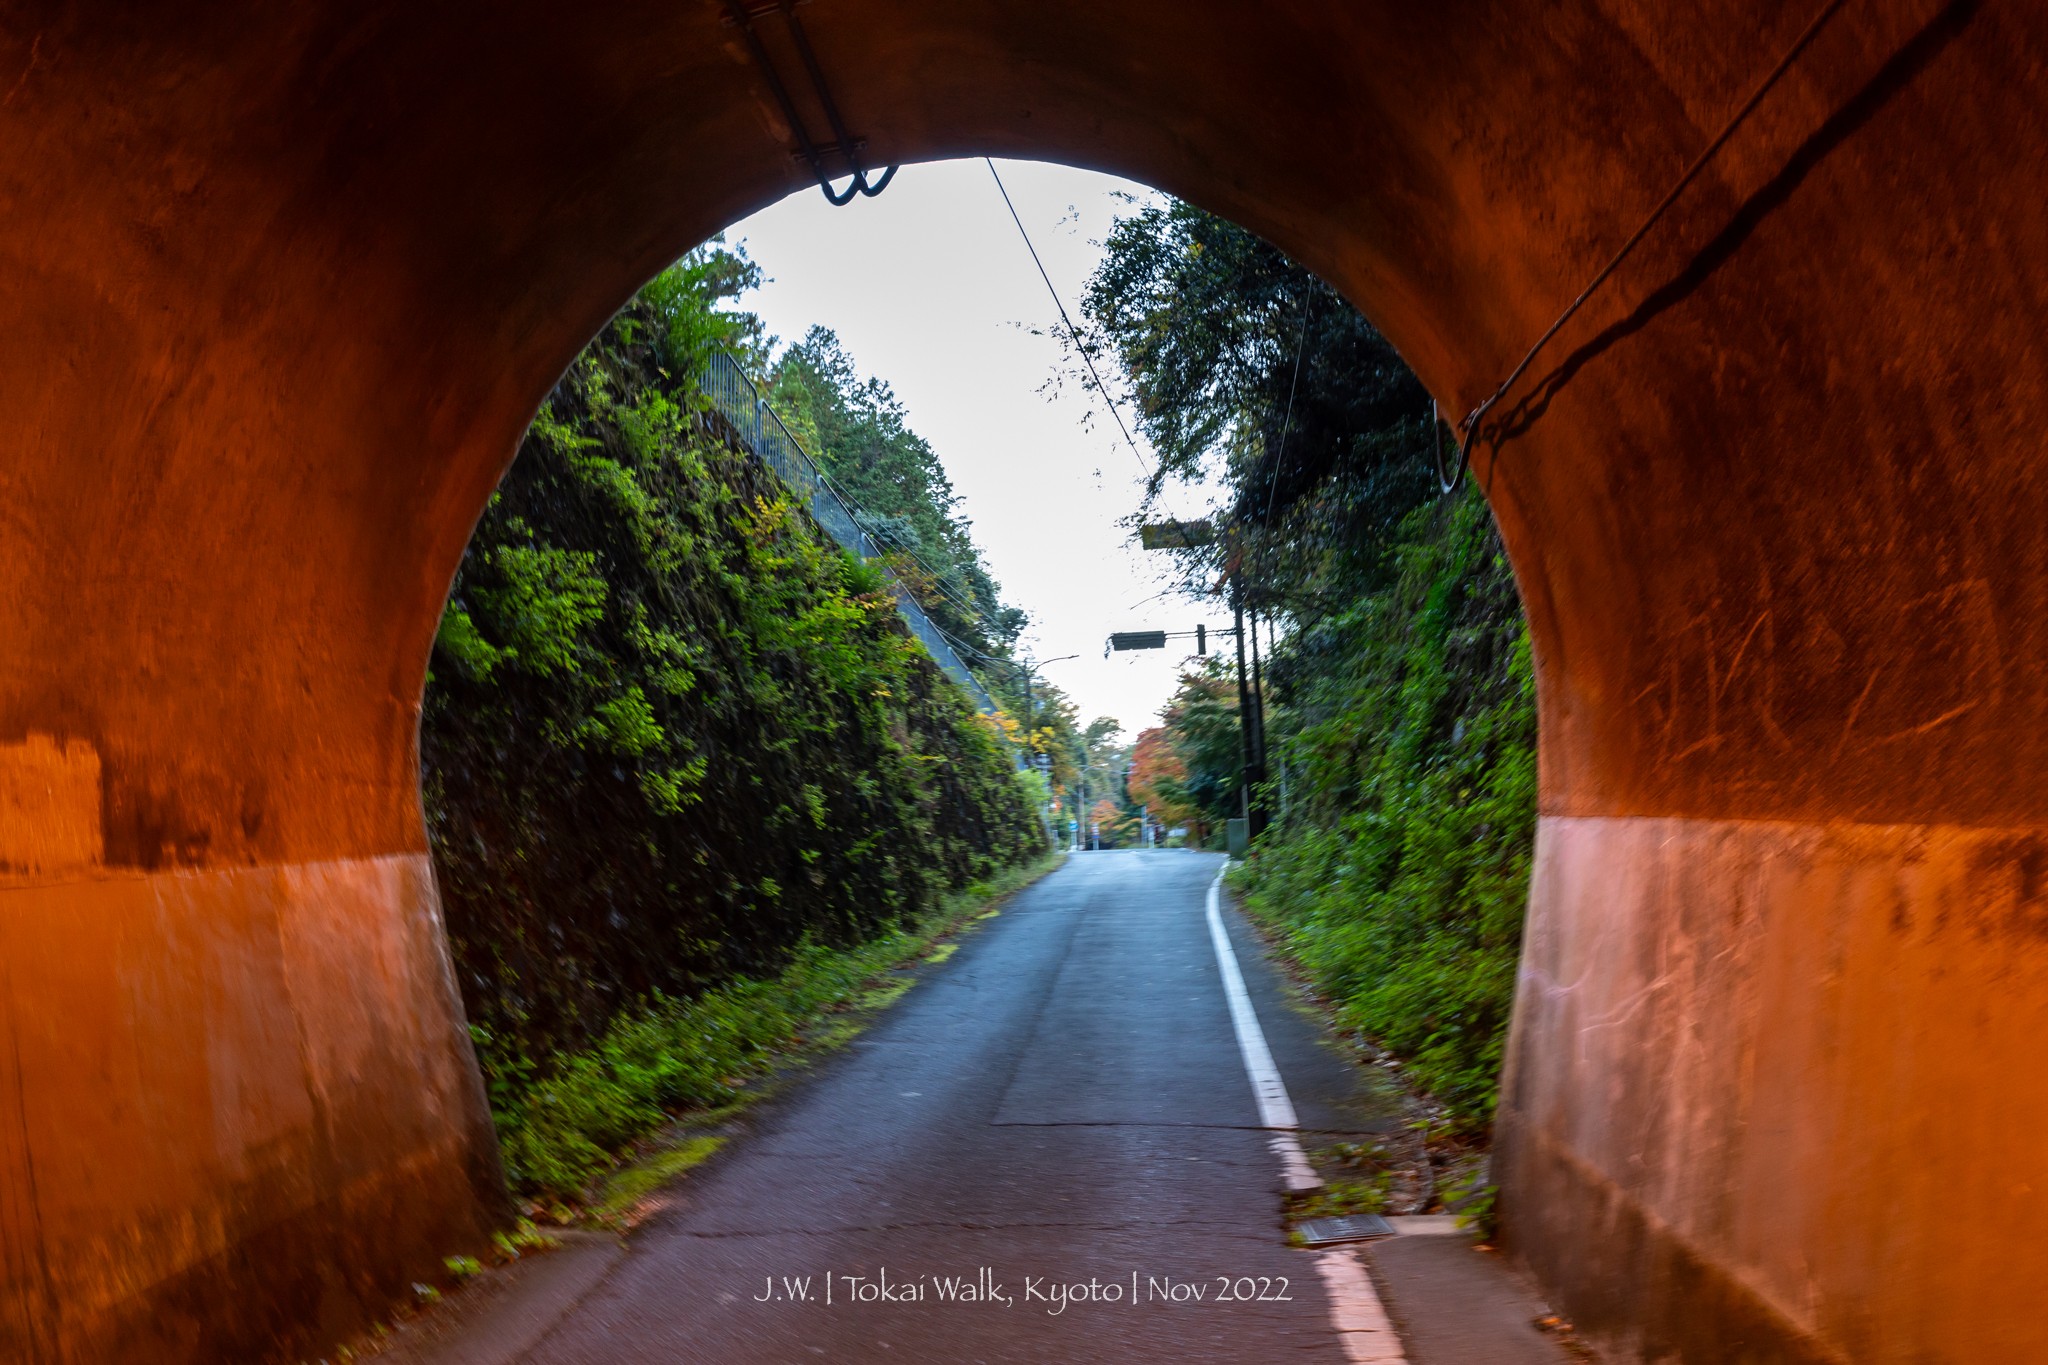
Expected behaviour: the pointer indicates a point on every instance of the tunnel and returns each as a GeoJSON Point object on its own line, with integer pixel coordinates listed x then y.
{"type": "Point", "coordinates": [285, 283]}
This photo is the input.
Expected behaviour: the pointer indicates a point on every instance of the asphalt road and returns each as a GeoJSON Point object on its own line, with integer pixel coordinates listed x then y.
{"type": "Point", "coordinates": [1056, 1119]}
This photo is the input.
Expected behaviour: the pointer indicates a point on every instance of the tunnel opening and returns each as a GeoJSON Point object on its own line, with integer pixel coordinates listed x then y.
{"type": "Point", "coordinates": [601, 885]}
{"type": "Point", "coordinates": [290, 285]}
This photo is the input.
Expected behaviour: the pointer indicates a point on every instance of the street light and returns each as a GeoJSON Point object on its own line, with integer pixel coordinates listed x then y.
{"type": "Point", "coordinates": [1027, 668]}
{"type": "Point", "coordinates": [1044, 760]}
{"type": "Point", "coordinates": [1044, 764]}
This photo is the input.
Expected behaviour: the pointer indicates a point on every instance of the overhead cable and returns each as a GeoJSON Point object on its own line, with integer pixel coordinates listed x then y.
{"type": "Point", "coordinates": [1073, 334]}
{"type": "Point", "coordinates": [1470, 427]}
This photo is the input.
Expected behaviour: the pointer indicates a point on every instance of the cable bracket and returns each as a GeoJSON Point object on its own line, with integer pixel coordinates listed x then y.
{"type": "Point", "coordinates": [843, 146]}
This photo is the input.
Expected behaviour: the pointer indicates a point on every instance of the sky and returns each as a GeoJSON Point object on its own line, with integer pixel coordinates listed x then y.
{"type": "Point", "coordinates": [931, 289]}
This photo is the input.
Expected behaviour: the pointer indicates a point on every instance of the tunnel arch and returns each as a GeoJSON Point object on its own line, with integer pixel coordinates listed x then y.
{"type": "Point", "coordinates": [288, 282]}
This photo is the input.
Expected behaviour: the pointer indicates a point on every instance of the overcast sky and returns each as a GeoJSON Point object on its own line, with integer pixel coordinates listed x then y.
{"type": "Point", "coordinates": [930, 288]}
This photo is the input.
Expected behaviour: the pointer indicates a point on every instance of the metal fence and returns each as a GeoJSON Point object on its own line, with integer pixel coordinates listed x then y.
{"type": "Point", "coordinates": [735, 399]}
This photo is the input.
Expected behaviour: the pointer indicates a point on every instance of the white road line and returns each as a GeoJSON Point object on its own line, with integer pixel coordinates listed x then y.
{"type": "Point", "coordinates": [1276, 1111]}
{"type": "Point", "coordinates": [1355, 1308]}
{"type": "Point", "coordinates": [1362, 1326]}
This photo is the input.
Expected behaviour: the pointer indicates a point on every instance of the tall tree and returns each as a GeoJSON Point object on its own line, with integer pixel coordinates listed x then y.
{"type": "Point", "coordinates": [858, 432]}
{"type": "Point", "coordinates": [1247, 369]}
{"type": "Point", "coordinates": [1401, 713]}
{"type": "Point", "coordinates": [1159, 783]}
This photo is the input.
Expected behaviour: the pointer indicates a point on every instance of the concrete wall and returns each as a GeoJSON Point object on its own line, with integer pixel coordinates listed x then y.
{"type": "Point", "coordinates": [231, 1118]}
{"type": "Point", "coordinates": [1771, 1089]}
{"type": "Point", "coordinates": [285, 282]}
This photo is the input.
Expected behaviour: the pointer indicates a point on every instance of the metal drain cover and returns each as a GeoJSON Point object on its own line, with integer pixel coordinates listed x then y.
{"type": "Point", "coordinates": [1359, 1227]}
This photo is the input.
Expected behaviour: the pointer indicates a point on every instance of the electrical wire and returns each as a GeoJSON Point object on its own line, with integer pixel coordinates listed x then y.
{"type": "Point", "coordinates": [962, 645]}
{"type": "Point", "coordinates": [1469, 428]}
{"type": "Point", "coordinates": [862, 520]}
{"type": "Point", "coordinates": [1073, 334]}
{"type": "Point", "coordinates": [987, 659]}
{"type": "Point", "coordinates": [1300, 345]}
{"type": "Point", "coordinates": [866, 521]}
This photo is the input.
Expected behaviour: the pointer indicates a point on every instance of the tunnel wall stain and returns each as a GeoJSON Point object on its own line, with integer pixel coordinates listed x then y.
{"type": "Point", "coordinates": [1776, 1066]}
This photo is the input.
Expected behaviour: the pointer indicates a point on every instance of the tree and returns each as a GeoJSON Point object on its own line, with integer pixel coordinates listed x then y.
{"type": "Point", "coordinates": [1158, 783]}
{"type": "Point", "coordinates": [672, 733]}
{"type": "Point", "coordinates": [1246, 368]}
{"type": "Point", "coordinates": [688, 299]}
{"type": "Point", "coordinates": [1114, 826]}
{"type": "Point", "coordinates": [859, 433]}
{"type": "Point", "coordinates": [1401, 705]}
{"type": "Point", "coordinates": [1188, 770]}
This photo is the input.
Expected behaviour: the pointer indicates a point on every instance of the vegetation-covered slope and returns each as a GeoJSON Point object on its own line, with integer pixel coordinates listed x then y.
{"type": "Point", "coordinates": [674, 737]}
{"type": "Point", "coordinates": [860, 435]}
{"type": "Point", "coordinates": [1400, 709]}
{"type": "Point", "coordinates": [1399, 872]}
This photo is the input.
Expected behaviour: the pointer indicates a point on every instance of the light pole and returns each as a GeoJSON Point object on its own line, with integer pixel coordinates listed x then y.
{"type": "Point", "coordinates": [1028, 669]}
{"type": "Point", "coordinates": [1044, 760]}
{"type": "Point", "coordinates": [1044, 765]}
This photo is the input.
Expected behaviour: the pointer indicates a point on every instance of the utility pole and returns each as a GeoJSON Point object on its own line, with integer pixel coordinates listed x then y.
{"type": "Point", "coordinates": [1247, 726]}
{"type": "Point", "coordinates": [1080, 802]}
{"type": "Point", "coordinates": [1258, 697]}
{"type": "Point", "coordinates": [1043, 762]}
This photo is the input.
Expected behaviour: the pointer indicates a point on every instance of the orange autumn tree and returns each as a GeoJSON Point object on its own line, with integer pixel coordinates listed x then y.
{"type": "Point", "coordinates": [1156, 770]}
{"type": "Point", "coordinates": [1108, 820]}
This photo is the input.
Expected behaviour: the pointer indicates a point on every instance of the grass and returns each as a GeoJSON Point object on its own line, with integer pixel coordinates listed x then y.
{"type": "Point", "coordinates": [1338, 1198]}
{"type": "Point", "coordinates": [561, 1134]}
{"type": "Point", "coordinates": [1398, 882]}
{"type": "Point", "coordinates": [635, 1181]}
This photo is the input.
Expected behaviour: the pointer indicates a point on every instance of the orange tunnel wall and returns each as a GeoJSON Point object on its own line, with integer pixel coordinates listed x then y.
{"type": "Point", "coordinates": [284, 283]}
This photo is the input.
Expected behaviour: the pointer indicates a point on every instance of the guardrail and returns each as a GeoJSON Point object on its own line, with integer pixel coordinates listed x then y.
{"type": "Point", "coordinates": [734, 397]}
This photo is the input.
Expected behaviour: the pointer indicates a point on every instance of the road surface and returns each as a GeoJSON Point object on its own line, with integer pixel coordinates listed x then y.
{"type": "Point", "coordinates": [1049, 1150]}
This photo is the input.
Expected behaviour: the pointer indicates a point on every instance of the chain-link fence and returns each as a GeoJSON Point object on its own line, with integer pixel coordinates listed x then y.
{"type": "Point", "coordinates": [735, 398]}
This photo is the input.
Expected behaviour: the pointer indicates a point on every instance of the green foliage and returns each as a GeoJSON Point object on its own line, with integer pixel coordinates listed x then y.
{"type": "Point", "coordinates": [1246, 368]}
{"type": "Point", "coordinates": [540, 600]}
{"type": "Point", "coordinates": [672, 1055]}
{"type": "Point", "coordinates": [1341, 1198]}
{"type": "Point", "coordinates": [676, 744]}
{"type": "Point", "coordinates": [1400, 876]}
{"type": "Point", "coordinates": [1477, 1201]}
{"type": "Point", "coordinates": [457, 641]}
{"type": "Point", "coordinates": [1399, 707]}
{"type": "Point", "coordinates": [1203, 720]}
{"type": "Point", "coordinates": [678, 305]}
{"type": "Point", "coordinates": [860, 435]}
{"type": "Point", "coordinates": [634, 1183]}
